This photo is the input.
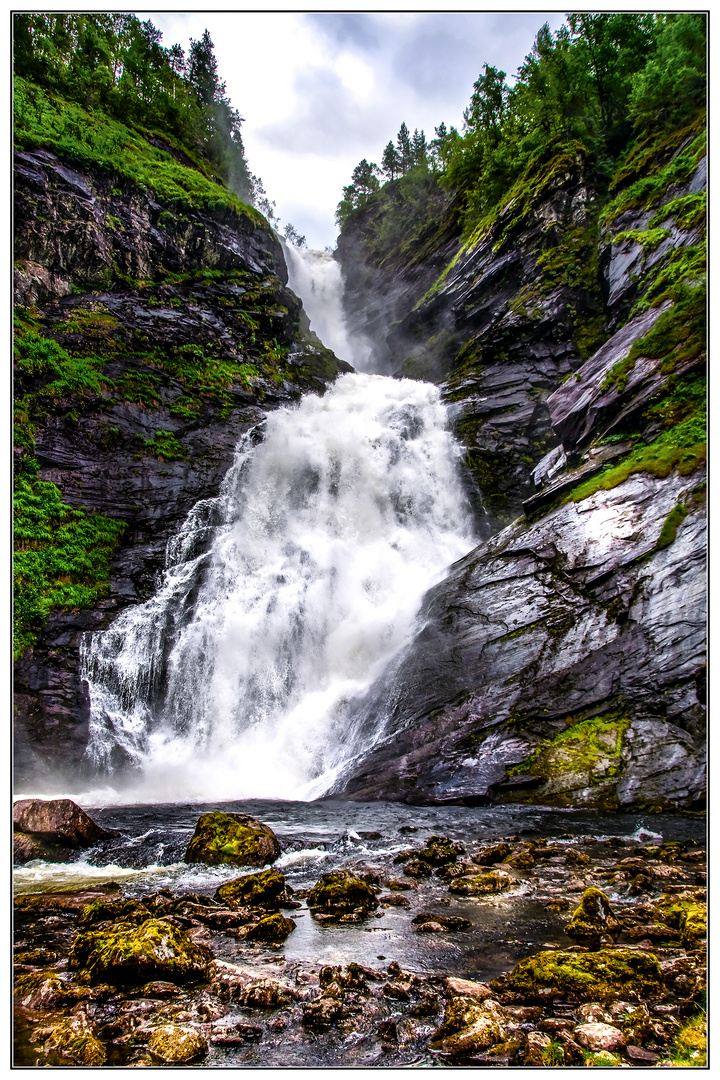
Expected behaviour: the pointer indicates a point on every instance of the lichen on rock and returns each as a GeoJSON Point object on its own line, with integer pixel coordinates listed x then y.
{"type": "Point", "coordinates": [237, 839]}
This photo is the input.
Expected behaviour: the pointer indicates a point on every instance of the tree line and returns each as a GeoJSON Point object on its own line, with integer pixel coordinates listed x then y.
{"type": "Point", "coordinates": [600, 80]}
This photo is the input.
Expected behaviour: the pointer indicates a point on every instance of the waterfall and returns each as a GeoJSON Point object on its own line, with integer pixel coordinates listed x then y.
{"type": "Point", "coordinates": [316, 277]}
{"type": "Point", "coordinates": [284, 598]}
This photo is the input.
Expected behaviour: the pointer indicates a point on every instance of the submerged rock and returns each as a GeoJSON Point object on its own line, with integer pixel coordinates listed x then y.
{"type": "Point", "coordinates": [127, 954]}
{"type": "Point", "coordinates": [237, 839]}
{"type": "Point", "coordinates": [597, 976]}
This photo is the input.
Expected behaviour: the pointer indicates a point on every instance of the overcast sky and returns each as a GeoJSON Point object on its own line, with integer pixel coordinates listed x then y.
{"type": "Point", "coordinates": [318, 92]}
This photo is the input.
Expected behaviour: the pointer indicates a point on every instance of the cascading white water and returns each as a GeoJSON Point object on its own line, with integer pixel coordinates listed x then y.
{"type": "Point", "coordinates": [316, 277]}
{"type": "Point", "coordinates": [283, 599]}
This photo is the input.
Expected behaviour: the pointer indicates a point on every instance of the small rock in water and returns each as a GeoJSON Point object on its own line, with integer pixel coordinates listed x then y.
{"type": "Point", "coordinates": [176, 1044]}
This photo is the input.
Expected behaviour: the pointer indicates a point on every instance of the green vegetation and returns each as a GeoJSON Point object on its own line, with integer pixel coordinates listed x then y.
{"type": "Point", "coordinates": [115, 65]}
{"type": "Point", "coordinates": [93, 138]}
{"type": "Point", "coordinates": [590, 747]}
{"type": "Point", "coordinates": [690, 1045]}
{"type": "Point", "coordinates": [164, 445]}
{"type": "Point", "coordinates": [61, 556]}
{"type": "Point", "coordinates": [593, 83]}
{"type": "Point", "coordinates": [605, 975]}
{"type": "Point", "coordinates": [682, 447]}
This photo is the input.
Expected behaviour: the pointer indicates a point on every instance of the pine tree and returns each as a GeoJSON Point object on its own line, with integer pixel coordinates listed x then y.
{"type": "Point", "coordinates": [418, 150]}
{"type": "Point", "coordinates": [390, 161]}
{"type": "Point", "coordinates": [404, 148]}
{"type": "Point", "coordinates": [202, 71]}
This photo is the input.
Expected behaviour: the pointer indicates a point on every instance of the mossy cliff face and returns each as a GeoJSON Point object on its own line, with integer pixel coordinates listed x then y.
{"type": "Point", "coordinates": [562, 662]}
{"type": "Point", "coordinates": [150, 335]}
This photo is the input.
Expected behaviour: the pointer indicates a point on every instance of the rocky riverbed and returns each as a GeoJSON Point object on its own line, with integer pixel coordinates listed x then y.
{"type": "Point", "coordinates": [511, 937]}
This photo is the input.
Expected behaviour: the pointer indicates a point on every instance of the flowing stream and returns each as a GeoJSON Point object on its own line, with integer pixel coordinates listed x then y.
{"type": "Point", "coordinates": [285, 597]}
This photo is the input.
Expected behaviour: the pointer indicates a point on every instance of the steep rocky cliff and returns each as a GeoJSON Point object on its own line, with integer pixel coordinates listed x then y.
{"type": "Point", "coordinates": [562, 661]}
{"type": "Point", "coordinates": [147, 341]}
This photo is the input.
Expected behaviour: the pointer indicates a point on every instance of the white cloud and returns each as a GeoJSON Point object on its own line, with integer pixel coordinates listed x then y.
{"type": "Point", "coordinates": [321, 91]}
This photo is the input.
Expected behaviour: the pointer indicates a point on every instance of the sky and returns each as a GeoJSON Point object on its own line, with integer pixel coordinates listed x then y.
{"type": "Point", "coordinates": [320, 91]}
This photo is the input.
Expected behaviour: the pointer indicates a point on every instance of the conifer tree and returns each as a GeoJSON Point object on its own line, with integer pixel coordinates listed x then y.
{"type": "Point", "coordinates": [418, 150]}
{"type": "Point", "coordinates": [404, 148]}
{"type": "Point", "coordinates": [390, 161]}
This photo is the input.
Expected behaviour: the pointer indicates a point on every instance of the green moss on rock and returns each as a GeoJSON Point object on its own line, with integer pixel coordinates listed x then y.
{"type": "Point", "coordinates": [481, 884]}
{"type": "Point", "coordinates": [266, 890]}
{"type": "Point", "coordinates": [340, 892]}
{"type": "Point", "coordinates": [176, 1044]}
{"type": "Point", "coordinates": [607, 975]}
{"type": "Point", "coordinates": [237, 839]}
{"type": "Point", "coordinates": [131, 955]}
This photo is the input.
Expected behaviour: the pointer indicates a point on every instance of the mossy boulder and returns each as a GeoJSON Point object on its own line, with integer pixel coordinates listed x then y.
{"type": "Point", "coordinates": [102, 910]}
{"type": "Point", "coordinates": [273, 929]}
{"type": "Point", "coordinates": [75, 1041]}
{"type": "Point", "coordinates": [340, 892]}
{"type": "Point", "coordinates": [237, 839]}
{"type": "Point", "coordinates": [605, 975]}
{"type": "Point", "coordinates": [440, 850]}
{"type": "Point", "coordinates": [267, 889]}
{"type": "Point", "coordinates": [490, 855]}
{"type": "Point", "coordinates": [593, 919]}
{"type": "Point", "coordinates": [481, 884]}
{"type": "Point", "coordinates": [686, 915]}
{"type": "Point", "coordinates": [42, 990]}
{"type": "Point", "coordinates": [177, 1044]}
{"type": "Point", "coordinates": [130, 955]}
{"type": "Point", "coordinates": [469, 1026]}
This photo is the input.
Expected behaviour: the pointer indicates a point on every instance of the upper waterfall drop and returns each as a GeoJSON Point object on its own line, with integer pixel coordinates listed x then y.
{"type": "Point", "coordinates": [316, 277]}
{"type": "Point", "coordinates": [287, 596]}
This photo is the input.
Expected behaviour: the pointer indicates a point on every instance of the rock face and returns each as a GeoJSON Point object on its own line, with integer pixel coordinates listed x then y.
{"type": "Point", "coordinates": [163, 301]}
{"type": "Point", "coordinates": [562, 661]}
{"type": "Point", "coordinates": [237, 839]}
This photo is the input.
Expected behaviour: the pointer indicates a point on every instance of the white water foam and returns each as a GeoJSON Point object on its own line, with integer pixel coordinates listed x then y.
{"type": "Point", "coordinates": [316, 277]}
{"type": "Point", "coordinates": [232, 680]}
{"type": "Point", "coordinates": [287, 596]}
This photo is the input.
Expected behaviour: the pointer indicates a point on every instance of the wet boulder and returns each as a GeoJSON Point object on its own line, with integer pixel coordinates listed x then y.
{"type": "Point", "coordinates": [42, 990]}
{"type": "Point", "coordinates": [593, 919]}
{"type": "Point", "coordinates": [488, 856]}
{"type": "Point", "coordinates": [267, 889]}
{"type": "Point", "coordinates": [177, 1044]}
{"type": "Point", "coordinates": [273, 929]}
{"type": "Point", "coordinates": [597, 1036]}
{"type": "Point", "coordinates": [340, 892]}
{"type": "Point", "coordinates": [597, 976]}
{"type": "Point", "coordinates": [103, 910]}
{"type": "Point", "coordinates": [469, 1026]}
{"type": "Point", "coordinates": [49, 828]}
{"type": "Point", "coordinates": [481, 884]}
{"type": "Point", "coordinates": [236, 839]}
{"type": "Point", "coordinates": [431, 922]}
{"type": "Point", "coordinates": [418, 868]}
{"type": "Point", "coordinates": [440, 850]}
{"type": "Point", "coordinates": [322, 1013]}
{"type": "Point", "coordinates": [127, 954]}
{"type": "Point", "coordinates": [75, 1041]}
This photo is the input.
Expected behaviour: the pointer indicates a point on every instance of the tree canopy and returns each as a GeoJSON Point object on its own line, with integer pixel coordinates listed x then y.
{"type": "Point", "coordinates": [116, 63]}
{"type": "Point", "coordinates": [598, 81]}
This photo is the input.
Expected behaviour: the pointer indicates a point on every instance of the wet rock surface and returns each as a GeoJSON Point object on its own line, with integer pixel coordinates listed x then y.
{"type": "Point", "coordinates": [245, 1000]}
{"type": "Point", "coordinates": [237, 839]}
